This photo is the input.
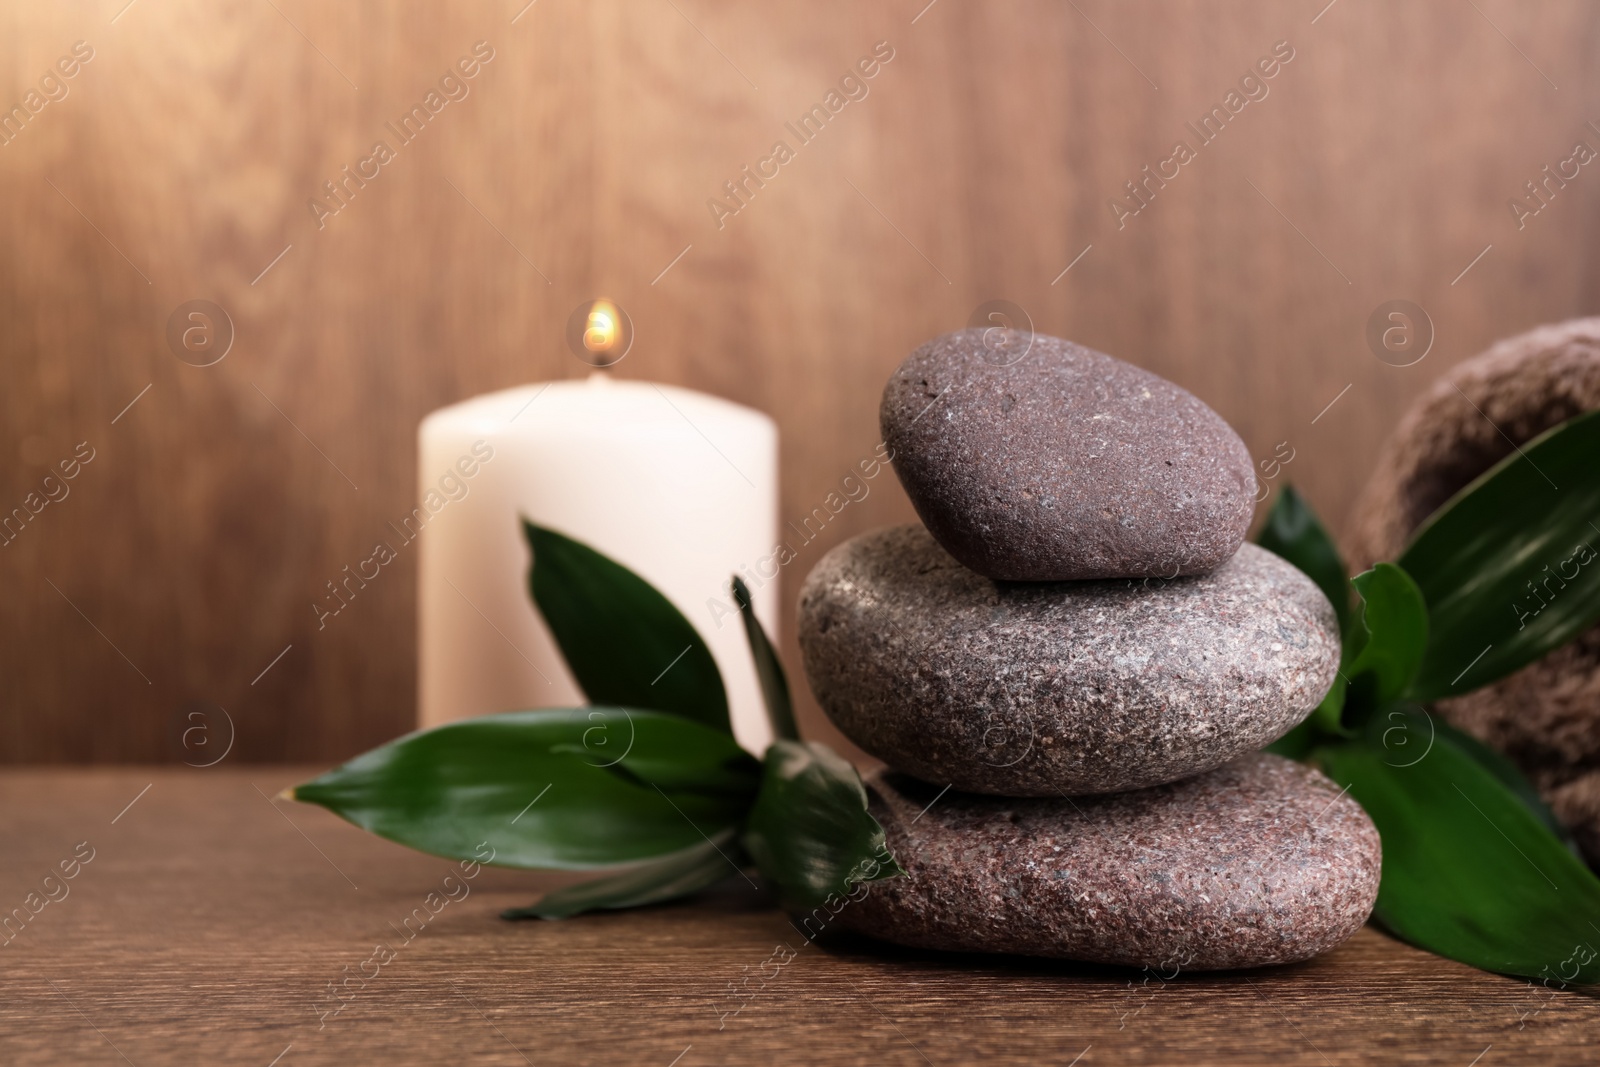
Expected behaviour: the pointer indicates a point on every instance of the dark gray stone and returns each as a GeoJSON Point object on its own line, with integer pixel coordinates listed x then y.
{"type": "Point", "coordinates": [1067, 464]}
{"type": "Point", "coordinates": [1043, 689]}
{"type": "Point", "coordinates": [1259, 862]}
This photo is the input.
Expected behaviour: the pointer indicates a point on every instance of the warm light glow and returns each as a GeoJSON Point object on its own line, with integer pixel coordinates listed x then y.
{"type": "Point", "coordinates": [600, 331]}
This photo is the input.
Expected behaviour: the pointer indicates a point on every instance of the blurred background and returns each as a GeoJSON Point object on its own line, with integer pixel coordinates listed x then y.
{"type": "Point", "coordinates": [990, 157]}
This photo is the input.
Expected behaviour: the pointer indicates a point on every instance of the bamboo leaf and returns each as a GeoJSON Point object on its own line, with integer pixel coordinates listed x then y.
{"type": "Point", "coordinates": [1507, 774]}
{"type": "Point", "coordinates": [769, 669]}
{"type": "Point", "coordinates": [667, 878]}
{"type": "Point", "coordinates": [809, 831]}
{"type": "Point", "coordinates": [1508, 566]}
{"type": "Point", "coordinates": [539, 789]}
{"type": "Point", "coordinates": [624, 642]}
{"type": "Point", "coordinates": [1395, 619]}
{"type": "Point", "coordinates": [1469, 872]}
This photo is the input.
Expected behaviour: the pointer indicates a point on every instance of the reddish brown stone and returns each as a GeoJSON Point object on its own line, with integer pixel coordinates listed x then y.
{"type": "Point", "coordinates": [1259, 862]}
{"type": "Point", "coordinates": [1546, 717]}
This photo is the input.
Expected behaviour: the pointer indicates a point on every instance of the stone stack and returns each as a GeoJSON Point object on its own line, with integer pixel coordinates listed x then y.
{"type": "Point", "coordinates": [1070, 669]}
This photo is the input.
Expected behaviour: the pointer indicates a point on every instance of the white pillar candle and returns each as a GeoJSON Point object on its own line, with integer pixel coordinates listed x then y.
{"type": "Point", "coordinates": [678, 486]}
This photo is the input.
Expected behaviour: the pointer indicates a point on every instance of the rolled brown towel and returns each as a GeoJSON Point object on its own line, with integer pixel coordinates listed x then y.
{"type": "Point", "coordinates": [1546, 717]}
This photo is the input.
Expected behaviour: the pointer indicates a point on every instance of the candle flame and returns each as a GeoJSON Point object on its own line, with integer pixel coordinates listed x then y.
{"type": "Point", "coordinates": [600, 330]}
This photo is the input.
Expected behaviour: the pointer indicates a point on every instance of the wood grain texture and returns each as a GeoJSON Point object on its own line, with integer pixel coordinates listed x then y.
{"type": "Point", "coordinates": [208, 925]}
{"type": "Point", "coordinates": [981, 164]}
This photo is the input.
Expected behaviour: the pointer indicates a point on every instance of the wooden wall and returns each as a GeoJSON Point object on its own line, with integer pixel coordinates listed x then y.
{"type": "Point", "coordinates": [179, 165]}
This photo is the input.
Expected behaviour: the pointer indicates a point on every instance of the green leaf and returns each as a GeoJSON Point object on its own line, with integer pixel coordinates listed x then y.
{"type": "Point", "coordinates": [1468, 871]}
{"type": "Point", "coordinates": [1293, 531]}
{"type": "Point", "coordinates": [809, 831]}
{"type": "Point", "coordinates": [1507, 774]}
{"type": "Point", "coordinates": [1508, 565]}
{"type": "Point", "coordinates": [1396, 622]}
{"type": "Point", "coordinates": [769, 669]}
{"type": "Point", "coordinates": [540, 788]}
{"type": "Point", "coordinates": [624, 642]}
{"type": "Point", "coordinates": [678, 875]}
{"type": "Point", "coordinates": [665, 769]}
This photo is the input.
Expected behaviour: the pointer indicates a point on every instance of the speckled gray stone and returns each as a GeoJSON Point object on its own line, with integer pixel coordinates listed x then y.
{"type": "Point", "coordinates": [1043, 689]}
{"type": "Point", "coordinates": [1066, 464]}
{"type": "Point", "coordinates": [1259, 862]}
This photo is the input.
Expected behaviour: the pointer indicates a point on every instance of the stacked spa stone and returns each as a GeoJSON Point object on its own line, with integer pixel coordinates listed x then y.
{"type": "Point", "coordinates": [1080, 646]}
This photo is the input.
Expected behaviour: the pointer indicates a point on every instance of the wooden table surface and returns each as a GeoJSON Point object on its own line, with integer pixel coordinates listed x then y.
{"type": "Point", "coordinates": [210, 922]}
